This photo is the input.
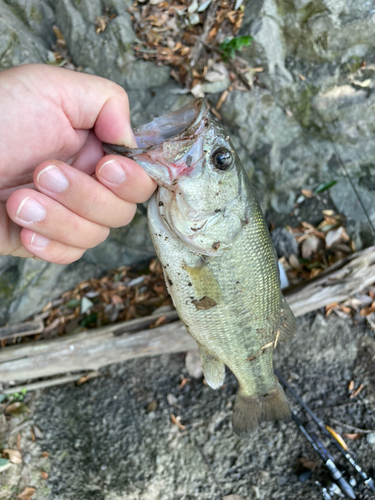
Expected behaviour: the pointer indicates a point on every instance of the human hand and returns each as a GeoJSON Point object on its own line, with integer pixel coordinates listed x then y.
{"type": "Point", "coordinates": [52, 123]}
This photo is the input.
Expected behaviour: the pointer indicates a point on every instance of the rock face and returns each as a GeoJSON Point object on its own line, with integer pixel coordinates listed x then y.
{"type": "Point", "coordinates": [310, 120]}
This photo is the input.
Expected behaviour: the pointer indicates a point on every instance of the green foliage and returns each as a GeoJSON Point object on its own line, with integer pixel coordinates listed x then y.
{"type": "Point", "coordinates": [230, 45]}
{"type": "Point", "coordinates": [324, 186]}
{"type": "Point", "coordinates": [15, 397]}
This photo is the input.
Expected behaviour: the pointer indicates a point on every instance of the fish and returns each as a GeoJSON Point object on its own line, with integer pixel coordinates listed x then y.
{"type": "Point", "coordinates": [219, 263]}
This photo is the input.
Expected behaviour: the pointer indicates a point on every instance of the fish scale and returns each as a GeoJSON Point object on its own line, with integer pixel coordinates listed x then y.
{"type": "Point", "coordinates": [219, 263]}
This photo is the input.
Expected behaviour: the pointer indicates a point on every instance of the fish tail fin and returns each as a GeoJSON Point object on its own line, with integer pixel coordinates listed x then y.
{"type": "Point", "coordinates": [250, 411]}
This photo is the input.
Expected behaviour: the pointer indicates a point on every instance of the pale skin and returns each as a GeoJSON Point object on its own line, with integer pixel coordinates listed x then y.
{"type": "Point", "coordinates": [59, 193]}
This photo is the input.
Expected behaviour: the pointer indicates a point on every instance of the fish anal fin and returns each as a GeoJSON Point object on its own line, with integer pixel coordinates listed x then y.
{"type": "Point", "coordinates": [287, 322]}
{"type": "Point", "coordinates": [250, 411]}
{"type": "Point", "coordinates": [204, 282]}
{"type": "Point", "coordinates": [213, 368]}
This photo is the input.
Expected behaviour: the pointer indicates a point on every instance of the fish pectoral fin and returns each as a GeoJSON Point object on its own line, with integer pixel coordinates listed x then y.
{"type": "Point", "coordinates": [213, 368]}
{"type": "Point", "coordinates": [250, 411]}
{"type": "Point", "coordinates": [204, 282]}
{"type": "Point", "coordinates": [287, 323]}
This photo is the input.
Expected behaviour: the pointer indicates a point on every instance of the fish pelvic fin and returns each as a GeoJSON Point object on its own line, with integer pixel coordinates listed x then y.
{"type": "Point", "coordinates": [213, 368]}
{"type": "Point", "coordinates": [204, 282]}
{"type": "Point", "coordinates": [250, 411]}
{"type": "Point", "coordinates": [287, 322]}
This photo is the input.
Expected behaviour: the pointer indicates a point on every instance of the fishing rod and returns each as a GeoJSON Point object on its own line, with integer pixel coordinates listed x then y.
{"type": "Point", "coordinates": [327, 459]}
{"type": "Point", "coordinates": [368, 481]}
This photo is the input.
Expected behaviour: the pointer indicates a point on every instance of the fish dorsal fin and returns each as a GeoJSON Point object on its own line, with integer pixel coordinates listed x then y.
{"type": "Point", "coordinates": [287, 322]}
{"type": "Point", "coordinates": [204, 282]}
{"type": "Point", "coordinates": [213, 369]}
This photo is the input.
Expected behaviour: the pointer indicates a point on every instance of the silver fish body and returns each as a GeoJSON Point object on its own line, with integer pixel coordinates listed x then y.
{"type": "Point", "coordinates": [219, 262]}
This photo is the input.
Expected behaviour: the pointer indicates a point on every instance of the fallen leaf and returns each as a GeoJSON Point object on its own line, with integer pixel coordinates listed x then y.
{"type": "Point", "coordinates": [45, 454]}
{"type": "Point", "coordinates": [152, 406]}
{"type": "Point", "coordinates": [44, 474]}
{"type": "Point", "coordinates": [331, 307]}
{"type": "Point", "coordinates": [222, 99]}
{"type": "Point", "coordinates": [309, 246]}
{"type": "Point", "coordinates": [184, 381]}
{"type": "Point", "coordinates": [26, 494]}
{"type": "Point", "coordinates": [357, 391]}
{"type": "Point", "coordinates": [351, 386]}
{"type": "Point", "coordinates": [353, 436]}
{"type": "Point", "coordinates": [14, 455]}
{"type": "Point", "coordinates": [307, 192]}
{"type": "Point", "coordinates": [175, 420]}
{"type": "Point", "coordinates": [303, 78]}
{"type": "Point", "coordinates": [294, 262]}
{"type": "Point", "coordinates": [84, 379]}
{"type": "Point", "coordinates": [17, 408]}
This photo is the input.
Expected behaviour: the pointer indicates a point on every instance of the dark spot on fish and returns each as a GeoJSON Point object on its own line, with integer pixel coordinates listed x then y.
{"type": "Point", "coordinates": [215, 245]}
{"type": "Point", "coordinates": [170, 282]}
{"type": "Point", "coordinates": [189, 284]}
{"type": "Point", "coordinates": [174, 182]}
{"type": "Point", "coordinates": [161, 204]}
{"type": "Point", "coordinates": [165, 238]}
{"type": "Point", "coordinates": [159, 235]}
{"type": "Point", "coordinates": [246, 220]}
{"type": "Point", "coordinates": [194, 228]}
{"type": "Point", "coordinates": [204, 304]}
{"type": "Point", "coordinates": [217, 194]}
{"type": "Point", "coordinates": [251, 358]}
{"type": "Point", "coordinates": [191, 298]}
{"type": "Point", "coordinates": [237, 282]}
{"type": "Point", "coordinates": [265, 395]}
{"type": "Point", "coordinates": [217, 210]}
{"type": "Point", "coordinates": [189, 159]}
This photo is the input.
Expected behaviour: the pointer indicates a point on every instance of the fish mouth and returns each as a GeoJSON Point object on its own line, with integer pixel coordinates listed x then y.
{"type": "Point", "coordinates": [178, 125]}
{"type": "Point", "coordinates": [169, 145]}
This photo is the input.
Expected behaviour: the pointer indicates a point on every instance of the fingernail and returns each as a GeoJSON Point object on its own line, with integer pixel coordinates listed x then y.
{"type": "Point", "coordinates": [52, 179]}
{"type": "Point", "coordinates": [39, 241]}
{"type": "Point", "coordinates": [30, 211]}
{"type": "Point", "coordinates": [112, 172]}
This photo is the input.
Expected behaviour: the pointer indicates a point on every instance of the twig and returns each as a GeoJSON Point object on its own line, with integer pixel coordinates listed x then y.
{"type": "Point", "coordinates": [209, 466]}
{"type": "Point", "coordinates": [351, 427]}
{"type": "Point", "coordinates": [209, 22]}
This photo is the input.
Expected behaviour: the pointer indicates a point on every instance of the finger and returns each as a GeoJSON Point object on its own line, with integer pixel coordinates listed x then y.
{"type": "Point", "coordinates": [88, 101]}
{"type": "Point", "coordinates": [49, 250]}
{"type": "Point", "coordinates": [87, 158]}
{"type": "Point", "coordinates": [39, 213]}
{"type": "Point", "coordinates": [125, 178]}
{"type": "Point", "coordinates": [83, 195]}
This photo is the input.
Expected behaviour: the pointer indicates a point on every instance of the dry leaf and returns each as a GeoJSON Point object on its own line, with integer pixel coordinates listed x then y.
{"type": "Point", "coordinates": [357, 391]}
{"type": "Point", "coordinates": [45, 454]}
{"type": "Point", "coordinates": [17, 408]}
{"type": "Point", "coordinates": [152, 406]}
{"type": "Point", "coordinates": [222, 99]}
{"type": "Point", "coordinates": [353, 436]}
{"type": "Point", "coordinates": [26, 494]}
{"type": "Point", "coordinates": [44, 474]}
{"type": "Point", "coordinates": [175, 420]}
{"type": "Point", "coordinates": [84, 379]}
{"type": "Point", "coordinates": [351, 386]}
{"type": "Point", "coordinates": [294, 262]}
{"type": "Point", "coordinates": [14, 455]}
{"type": "Point", "coordinates": [309, 246]}
{"type": "Point", "coordinates": [184, 381]}
{"type": "Point", "coordinates": [303, 78]}
{"type": "Point", "coordinates": [307, 192]}
{"type": "Point", "coordinates": [331, 307]}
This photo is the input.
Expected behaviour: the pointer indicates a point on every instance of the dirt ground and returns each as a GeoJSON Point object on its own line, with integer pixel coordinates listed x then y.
{"type": "Point", "coordinates": [104, 442]}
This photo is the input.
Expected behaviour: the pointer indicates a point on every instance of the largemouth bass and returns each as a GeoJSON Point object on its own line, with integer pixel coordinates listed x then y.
{"type": "Point", "coordinates": [219, 263]}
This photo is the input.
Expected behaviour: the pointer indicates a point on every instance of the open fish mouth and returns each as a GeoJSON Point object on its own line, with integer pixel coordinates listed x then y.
{"type": "Point", "coordinates": [177, 126]}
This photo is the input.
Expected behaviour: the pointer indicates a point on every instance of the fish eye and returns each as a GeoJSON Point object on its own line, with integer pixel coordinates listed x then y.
{"type": "Point", "coordinates": [222, 159]}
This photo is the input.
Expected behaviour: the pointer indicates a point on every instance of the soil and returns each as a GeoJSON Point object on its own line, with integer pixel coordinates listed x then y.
{"type": "Point", "coordinates": [112, 438]}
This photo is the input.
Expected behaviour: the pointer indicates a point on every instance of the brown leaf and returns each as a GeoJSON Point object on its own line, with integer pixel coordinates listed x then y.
{"type": "Point", "coordinates": [84, 379]}
{"type": "Point", "coordinates": [175, 421]}
{"type": "Point", "coordinates": [357, 391]}
{"type": "Point", "coordinates": [309, 246]}
{"type": "Point", "coordinates": [14, 455]}
{"type": "Point", "coordinates": [307, 192]}
{"type": "Point", "coordinates": [294, 262]}
{"type": "Point", "coordinates": [26, 494]}
{"type": "Point", "coordinates": [44, 474]}
{"type": "Point", "coordinates": [351, 386]}
{"type": "Point", "coordinates": [184, 381]}
{"type": "Point", "coordinates": [45, 454]}
{"type": "Point", "coordinates": [222, 99]}
{"type": "Point", "coordinates": [17, 408]}
{"type": "Point", "coordinates": [331, 307]}
{"type": "Point", "coordinates": [152, 406]}
{"type": "Point", "coordinates": [353, 436]}
{"type": "Point", "coordinates": [303, 78]}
